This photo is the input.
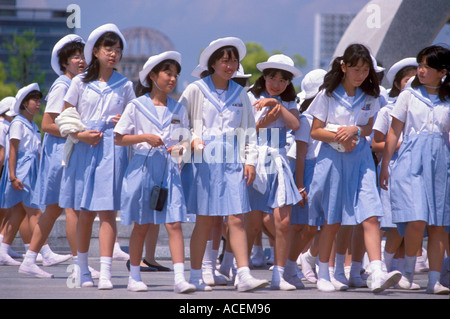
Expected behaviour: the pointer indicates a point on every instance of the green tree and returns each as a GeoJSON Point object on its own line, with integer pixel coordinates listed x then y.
{"type": "Point", "coordinates": [6, 89]}
{"type": "Point", "coordinates": [22, 59]}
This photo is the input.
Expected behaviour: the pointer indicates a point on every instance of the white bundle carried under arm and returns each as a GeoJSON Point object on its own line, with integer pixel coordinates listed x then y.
{"type": "Point", "coordinates": [69, 121]}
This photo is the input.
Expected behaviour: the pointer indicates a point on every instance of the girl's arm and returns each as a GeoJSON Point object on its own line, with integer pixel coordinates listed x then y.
{"type": "Point", "coordinates": [127, 139]}
{"type": "Point", "coordinates": [91, 137]}
{"type": "Point", "coordinates": [290, 117]}
{"type": "Point", "coordinates": [2, 157]}
{"type": "Point", "coordinates": [320, 134]}
{"type": "Point", "coordinates": [389, 149]}
{"type": "Point", "coordinates": [12, 161]}
{"type": "Point", "coordinates": [302, 149]}
{"type": "Point", "coordinates": [48, 124]}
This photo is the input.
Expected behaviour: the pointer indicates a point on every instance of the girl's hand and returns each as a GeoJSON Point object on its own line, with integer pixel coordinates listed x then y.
{"type": "Point", "coordinates": [345, 133]}
{"type": "Point", "coordinates": [274, 113]}
{"type": "Point", "coordinates": [153, 140]}
{"type": "Point", "coordinates": [198, 145]}
{"type": "Point", "coordinates": [249, 174]}
{"type": "Point", "coordinates": [91, 137]}
{"type": "Point", "coordinates": [384, 178]}
{"type": "Point", "coordinates": [349, 145]}
{"type": "Point", "coordinates": [175, 151]}
{"type": "Point", "coordinates": [17, 184]}
{"type": "Point", "coordinates": [260, 104]}
{"type": "Point", "coordinates": [116, 118]}
{"type": "Point", "coordinates": [304, 197]}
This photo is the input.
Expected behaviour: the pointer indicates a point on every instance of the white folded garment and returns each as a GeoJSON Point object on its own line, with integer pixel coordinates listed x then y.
{"type": "Point", "coordinates": [334, 128]}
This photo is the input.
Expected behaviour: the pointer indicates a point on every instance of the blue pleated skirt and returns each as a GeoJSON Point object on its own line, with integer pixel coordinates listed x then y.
{"type": "Point", "coordinates": [213, 183]}
{"type": "Point", "coordinates": [26, 171]}
{"type": "Point", "coordinates": [300, 215]}
{"type": "Point", "coordinates": [343, 189]}
{"type": "Point", "coordinates": [385, 196]}
{"type": "Point", "coordinates": [48, 182]}
{"type": "Point", "coordinates": [92, 180]}
{"type": "Point", "coordinates": [420, 180]}
{"type": "Point", "coordinates": [142, 174]}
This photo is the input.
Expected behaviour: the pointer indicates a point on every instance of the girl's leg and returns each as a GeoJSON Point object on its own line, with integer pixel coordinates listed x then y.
{"type": "Point", "coordinates": [84, 232]}
{"type": "Point", "coordinates": [211, 254]}
{"type": "Point", "coordinates": [71, 228]}
{"type": "Point", "coordinates": [107, 239]}
{"type": "Point", "coordinates": [342, 245]}
{"type": "Point", "coordinates": [327, 237]}
{"type": "Point", "coordinates": [436, 249]}
{"type": "Point", "coordinates": [358, 250]}
{"type": "Point", "coordinates": [14, 219]}
{"type": "Point", "coordinates": [253, 225]}
{"type": "Point", "coordinates": [137, 238]}
{"type": "Point", "coordinates": [393, 242]}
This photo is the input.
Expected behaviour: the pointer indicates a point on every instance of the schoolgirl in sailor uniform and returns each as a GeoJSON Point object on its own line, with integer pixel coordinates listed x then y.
{"type": "Point", "coordinates": [153, 123]}
{"type": "Point", "coordinates": [67, 61]}
{"type": "Point", "coordinates": [305, 160]}
{"type": "Point", "coordinates": [92, 178]}
{"type": "Point", "coordinates": [224, 155]}
{"type": "Point", "coordinates": [420, 188]}
{"type": "Point", "coordinates": [398, 75]}
{"type": "Point", "coordinates": [20, 173]}
{"type": "Point", "coordinates": [344, 189]}
{"type": "Point", "coordinates": [274, 191]}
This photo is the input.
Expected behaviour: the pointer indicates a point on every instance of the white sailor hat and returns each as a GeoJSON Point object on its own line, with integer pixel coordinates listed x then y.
{"type": "Point", "coordinates": [58, 46]}
{"type": "Point", "coordinates": [281, 62]}
{"type": "Point", "coordinates": [96, 34]}
{"type": "Point", "coordinates": [21, 94]}
{"type": "Point", "coordinates": [219, 43]}
{"type": "Point", "coordinates": [390, 76]}
{"type": "Point", "coordinates": [155, 60]}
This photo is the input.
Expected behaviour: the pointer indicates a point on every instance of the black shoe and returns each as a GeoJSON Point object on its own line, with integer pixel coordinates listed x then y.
{"type": "Point", "coordinates": [158, 267]}
{"type": "Point", "coordinates": [149, 268]}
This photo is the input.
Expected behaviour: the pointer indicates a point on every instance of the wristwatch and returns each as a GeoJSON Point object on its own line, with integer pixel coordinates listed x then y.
{"type": "Point", "coordinates": [359, 131]}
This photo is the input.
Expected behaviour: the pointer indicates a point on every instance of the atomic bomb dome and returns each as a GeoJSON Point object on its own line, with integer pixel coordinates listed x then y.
{"type": "Point", "coordinates": [142, 43]}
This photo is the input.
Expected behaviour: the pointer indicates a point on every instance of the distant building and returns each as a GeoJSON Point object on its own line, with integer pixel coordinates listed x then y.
{"type": "Point", "coordinates": [328, 30]}
{"type": "Point", "coordinates": [49, 26]}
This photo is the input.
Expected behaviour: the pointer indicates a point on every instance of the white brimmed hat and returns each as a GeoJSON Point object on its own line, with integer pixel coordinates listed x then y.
{"type": "Point", "coordinates": [58, 46]}
{"type": "Point", "coordinates": [219, 43]}
{"type": "Point", "coordinates": [240, 73]}
{"type": "Point", "coordinates": [96, 34]}
{"type": "Point", "coordinates": [198, 71]}
{"type": "Point", "coordinates": [377, 68]}
{"type": "Point", "coordinates": [6, 105]}
{"type": "Point", "coordinates": [390, 76]}
{"type": "Point", "coordinates": [21, 94]}
{"type": "Point", "coordinates": [280, 62]}
{"type": "Point", "coordinates": [155, 60]}
{"type": "Point", "coordinates": [311, 82]}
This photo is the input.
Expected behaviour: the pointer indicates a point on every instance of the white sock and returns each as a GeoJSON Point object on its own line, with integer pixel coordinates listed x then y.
{"type": "Point", "coordinates": [376, 265]}
{"type": "Point", "coordinates": [83, 262]}
{"type": "Point", "coordinates": [178, 270]}
{"type": "Point", "coordinates": [4, 249]}
{"type": "Point", "coordinates": [135, 273]}
{"type": "Point", "coordinates": [243, 273]}
{"type": "Point", "coordinates": [105, 267]}
{"type": "Point", "coordinates": [30, 257]}
{"type": "Point", "coordinates": [209, 258]}
{"type": "Point", "coordinates": [45, 251]}
{"type": "Point", "coordinates": [324, 272]}
{"type": "Point", "coordinates": [388, 258]}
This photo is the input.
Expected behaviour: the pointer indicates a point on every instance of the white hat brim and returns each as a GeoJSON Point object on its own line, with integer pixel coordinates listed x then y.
{"type": "Point", "coordinates": [95, 35]}
{"type": "Point", "coordinates": [220, 43]}
{"type": "Point", "coordinates": [22, 93]}
{"type": "Point", "coordinates": [280, 66]}
{"type": "Point", "coordinates": [6, 103]}
{"type": "Point", "coordinates": [58, 46]}
{"type": "Point", "coordinates": [155, 60]}
{"type": "Point", "coordinates": [390, 76]}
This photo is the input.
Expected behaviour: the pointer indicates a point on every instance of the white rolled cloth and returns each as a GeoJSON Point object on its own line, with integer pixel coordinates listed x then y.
{"type": "Point", "coordinates": [69, 121]}
{"type": "Point", "coordinates": [337, 146]}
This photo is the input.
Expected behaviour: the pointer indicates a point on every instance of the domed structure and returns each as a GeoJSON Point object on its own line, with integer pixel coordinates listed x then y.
{"type": "Point", "coordinates": [141, 44]}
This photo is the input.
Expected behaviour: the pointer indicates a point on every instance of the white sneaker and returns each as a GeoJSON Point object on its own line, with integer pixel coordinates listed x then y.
{"type": "Point", "coordinates": [405, 284]}
{"type": "Point", "coordinates": [282, 284]}
{"type": "Point", "coordinates": [86, 280]}
{"type": "Point", "coordinates": [6, 260]}
{"type": "Point", "coordinates": [294, 281]}
{"type": "Point", "coordinates": [184, 287]}
{"type": "Point", "coordinates": [437, 289]}
{"type": "Point", "coordinates": [136, 286]}
{"type": "Point", "coordinates": [325, 285]}
{"type": "Point", "coordinates": [251, 284]}
{"type": "Point", "coordinates": [34, 270]}
{"type": "Point", "coordinates": [55, 259]}
{"type": "Point", "coordinates": [339, 286]}
{"type": "Point", "coordinates": [383, 280]}
{"type": "Point", "coordinates": [216, 279]}
{"type": "Point", "coordinates": [200, 285]}
{"type": "Point", "coordinates": [95, 274]}
{"type": "Point", "coordinates": [119, 254]}
{"type": "Point", "coordinates": [105, 284]}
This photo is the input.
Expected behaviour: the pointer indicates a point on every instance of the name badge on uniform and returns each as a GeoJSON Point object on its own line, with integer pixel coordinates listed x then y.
{"type": "Point", "coordinates": [175, 121]}
{"type": "Point", "coordinates": [237, 104]}
{"type": "Point", "coordinates": [367, 106]}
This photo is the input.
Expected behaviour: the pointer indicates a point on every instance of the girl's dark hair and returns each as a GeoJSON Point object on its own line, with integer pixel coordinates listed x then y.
{"type": "Point", "coordinates": [107, 39]}
{"type": "Point", "coordinates": [352, 55]}
{"type": "Point", "coordinates": [305, 104]}
{"type": "Point", "coordinates": [395, 91]}
{"type": "Point", "coordinates": [260, 84]}
{"type": "Point", "coordinates": [219, 53]}
{"type": "Point", "coordinates": [160, 67]}
{"type": "Point", "coordinates": [436, 57]}
{"type": "Point", "coordinates": [67, 51]}
{"type": "Point", "coordinates": [35, 94]}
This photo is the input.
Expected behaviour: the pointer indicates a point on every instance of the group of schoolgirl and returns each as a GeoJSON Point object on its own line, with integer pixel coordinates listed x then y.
{"type": "Point", "coordinates": [181, 162]}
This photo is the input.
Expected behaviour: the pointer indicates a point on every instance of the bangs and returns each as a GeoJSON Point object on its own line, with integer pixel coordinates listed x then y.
{"type": "Point", "coordinates": [33, 95]}
{"type": "Point", "coordinates": [109, 39]}
{"type": "Point", "coordinates": [288, 76]}
{"type": "Point", "coordinates": [434, 57]}
{"type": "Point", "coordinates": [359, 53]}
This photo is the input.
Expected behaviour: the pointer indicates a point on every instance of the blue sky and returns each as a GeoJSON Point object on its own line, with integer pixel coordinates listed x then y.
{"type": "Point", "coordinates": [284, 25]}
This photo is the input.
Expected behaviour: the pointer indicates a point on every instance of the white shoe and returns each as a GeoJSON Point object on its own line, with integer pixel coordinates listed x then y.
{"type": "Point", "coordinates": [357, 282]}
{"type": "Point", "coordinates": [86, 280]}
{"type": "Point", "coordinates": [325, 285]}
{"type": "Point", "coordinates": [55, 259]}
{"type": "Point", "coordinates": [437, 289]}
{"type": "Point", "coordinates": [216, 279]}
{"type": "Point", "coordinates": [105, 284]}
{"type": "Point", "coordinates": [308, 269]}
{"type": "Point", "coordinates": [282, 284]}
{"type": "Point", "coordinates": [136, 286]}
{"type": "Point", "coordinates": [294, 281]}
{"type": "Point", "coordinates": [405, 284]}
{"type": "Point", "coordinates": [95, 274]}
{"type": "Point", "coordinates": [251, 284]}
{"type": "Point", "coordinates": [6, 260]}
{"type": "Point", "coordinates": [383, 280]}
{"type": "Point", "coordinates": [339, 286]}
{"type": "Point", "coordinates": [184, 287]}
{"type": "Point", "coordinates": [200, 285]}
{"type": "Point", "coordinates": [34, 270]}
{"type": "Point", "coordinates": [119, 254]}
